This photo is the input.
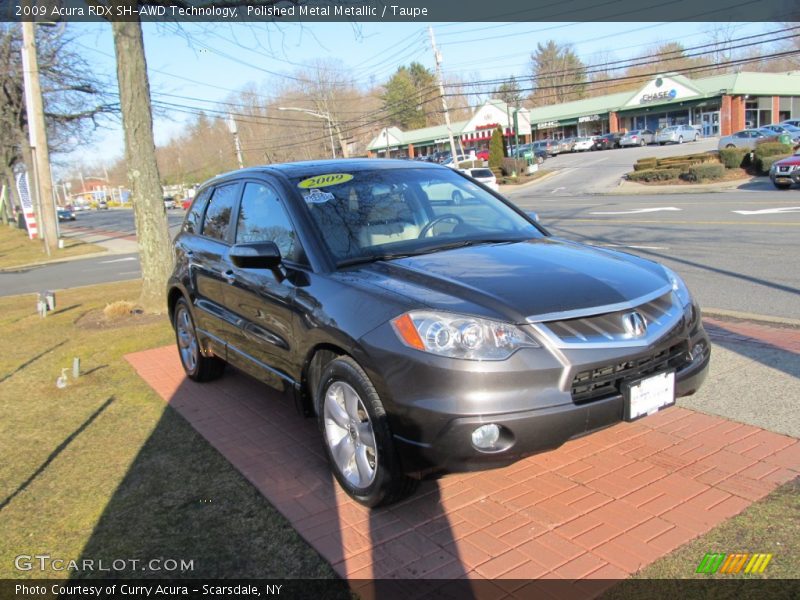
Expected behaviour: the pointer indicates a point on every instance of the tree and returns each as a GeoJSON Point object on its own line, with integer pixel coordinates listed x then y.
{"type": "Point", "coordinates": [509, 92]}
{"type": "Point", "coordinates": [558, 74]}
{"type": "Point", "coordinates": [407, 94]}
{"type": "Point", "coordinates": [155, 254]}
{"type": "Point", "coordinates": [496, 149]}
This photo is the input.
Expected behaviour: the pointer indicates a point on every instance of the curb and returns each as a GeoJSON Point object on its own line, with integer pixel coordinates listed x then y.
{"type": "Point", "coordinates": [511, 188]}
{"type": "Point", "coordinates": [54, 261]}
{"type": "Point", "coordinates": [752, 317]}
{"type": "Point", "coordinates": [631, 188]}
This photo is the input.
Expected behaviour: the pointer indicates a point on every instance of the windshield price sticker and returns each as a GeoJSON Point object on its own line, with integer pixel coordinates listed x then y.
{"type": "Point", "coordinates": [326, 180]}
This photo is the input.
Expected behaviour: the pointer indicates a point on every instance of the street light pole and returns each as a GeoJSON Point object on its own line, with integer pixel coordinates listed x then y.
{"type": "Point", "coordinates": [325, 116]}
{"type": "Point", "coordinates": [38, 137]}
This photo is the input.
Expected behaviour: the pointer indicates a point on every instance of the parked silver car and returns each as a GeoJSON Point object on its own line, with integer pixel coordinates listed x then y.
{"type": "Point", "coordinates": [787, 129]}
{"type": "Point", "coordinates": [677, 134]}
{"type": "Point", "coordinates": [637, 137]}
{"type": "Point", "coordinates": [746, 138]}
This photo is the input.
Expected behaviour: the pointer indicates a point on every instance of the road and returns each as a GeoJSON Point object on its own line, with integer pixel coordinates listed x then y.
{"type": "Point", "coordinates": [742, 262]}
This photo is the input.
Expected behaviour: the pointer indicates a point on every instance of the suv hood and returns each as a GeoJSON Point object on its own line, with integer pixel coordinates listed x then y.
{"type": "Point", "coordinates": [793, 160]}
{"type": "Point", "coordinates": [513, 281]}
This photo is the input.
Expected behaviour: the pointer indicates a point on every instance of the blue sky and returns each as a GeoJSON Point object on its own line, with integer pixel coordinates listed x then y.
{"type": "Point", "coordinates": [180, 60]}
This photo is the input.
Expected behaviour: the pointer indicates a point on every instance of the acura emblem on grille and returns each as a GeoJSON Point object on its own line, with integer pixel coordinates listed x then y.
{"type": "Point", "coordinates": [634, 324]}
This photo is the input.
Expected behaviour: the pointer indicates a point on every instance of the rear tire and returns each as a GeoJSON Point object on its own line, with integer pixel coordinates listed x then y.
{"type": "Point", "coordinates": [356, 436]}
{"type": "Point", "coordinates": [680, 139]}
{"type": "Point", "coordinates": [731, 146]}
{"type": "Point", "coordinates": [642, 143]}
{"type": "Point", "coordinates": [197, 367]}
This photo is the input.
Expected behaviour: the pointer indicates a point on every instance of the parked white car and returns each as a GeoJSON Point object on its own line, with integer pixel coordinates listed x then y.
{"type": "Point", "coordinates": [484, 176]}
{"type": "Point", "coordinates": [677, 134]}
{"type": "Point", "coordinates": [746, 138]}
{"type": "Point", "coordinates": [582, 144]}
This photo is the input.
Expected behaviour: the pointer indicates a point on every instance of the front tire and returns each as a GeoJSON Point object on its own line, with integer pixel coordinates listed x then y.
{"type": "Point", "coordinates": [197, 367]}
{"type": "Point", "coordinates": [680, 140]}
{"type": "Point", "coordinates": [356, 436]}
{"type": "Point", "coordinates": [781, 186]}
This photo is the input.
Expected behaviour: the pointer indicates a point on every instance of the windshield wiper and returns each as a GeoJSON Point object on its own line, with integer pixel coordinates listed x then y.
{"type": "Point", "coordinates": [359, 260]}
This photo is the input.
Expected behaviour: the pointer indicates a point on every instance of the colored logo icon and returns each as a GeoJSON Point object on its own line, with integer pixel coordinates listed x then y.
{"type": "Point", "coordinates": [732, 564]}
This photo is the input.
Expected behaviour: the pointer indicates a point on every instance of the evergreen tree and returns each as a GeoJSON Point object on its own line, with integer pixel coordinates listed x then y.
{"type": "Point", "coordinates": [496, 149]}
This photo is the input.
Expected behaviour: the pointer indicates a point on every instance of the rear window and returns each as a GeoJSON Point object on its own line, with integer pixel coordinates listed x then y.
{"type": "Point", "coordinates": [481, 173]}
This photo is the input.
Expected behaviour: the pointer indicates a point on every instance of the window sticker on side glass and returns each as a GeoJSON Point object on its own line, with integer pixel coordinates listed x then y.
{"type": "Point", "coordinates": [318, 197]}
{"type": "Point", "coordinates": [324, 180]}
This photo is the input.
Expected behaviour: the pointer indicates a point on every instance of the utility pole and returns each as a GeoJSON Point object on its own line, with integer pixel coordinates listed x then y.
{"type": "Point", "coordinates": [38, 137]}
{"type": "Point", "coordinates": [235, 131]}
{"type": "Point", "coordinates": [438, 57]}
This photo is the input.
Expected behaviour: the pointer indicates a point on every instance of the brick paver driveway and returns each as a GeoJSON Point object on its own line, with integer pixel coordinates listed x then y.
{"type": "Point", "coordinates": [599, 507]}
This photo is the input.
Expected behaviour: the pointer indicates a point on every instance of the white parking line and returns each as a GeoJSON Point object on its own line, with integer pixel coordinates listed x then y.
{"type": "Point", "coordinates": [116, 260]}
{"type": "Point", "coordinates": [633, 246]}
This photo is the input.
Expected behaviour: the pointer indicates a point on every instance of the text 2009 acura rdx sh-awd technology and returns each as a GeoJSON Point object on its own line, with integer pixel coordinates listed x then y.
{"type": "Point", "coordinates": [425, 335]}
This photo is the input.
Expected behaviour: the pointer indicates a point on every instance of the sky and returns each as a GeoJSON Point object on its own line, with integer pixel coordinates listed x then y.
{"type": "Point", "coordinates": [209, 61]}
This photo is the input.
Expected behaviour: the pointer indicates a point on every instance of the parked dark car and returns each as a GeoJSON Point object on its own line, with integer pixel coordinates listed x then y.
{"type": "Point", "coordinates": [607, 141]}
{"type": "Point", "coordinates": [424, 335]}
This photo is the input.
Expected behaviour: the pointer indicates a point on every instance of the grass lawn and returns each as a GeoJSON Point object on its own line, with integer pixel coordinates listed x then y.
{"type": "Point", "coordinates": [16, 249]}
{"type": "Point", "coordinates": [104, 469]}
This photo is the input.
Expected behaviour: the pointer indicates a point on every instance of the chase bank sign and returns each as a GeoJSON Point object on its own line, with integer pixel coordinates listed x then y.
{"type": "Point", "coordinates": [656, 96]}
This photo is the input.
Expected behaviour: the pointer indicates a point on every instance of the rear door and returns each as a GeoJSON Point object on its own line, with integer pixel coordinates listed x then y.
{"type": "Point", "coordinates": [261, 299]}
{"type": "Point", "coordinates": [210, 269]}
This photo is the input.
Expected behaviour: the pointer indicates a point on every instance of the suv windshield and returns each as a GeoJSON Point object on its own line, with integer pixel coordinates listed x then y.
{"type": "Point", "coordinates": [389, 213]}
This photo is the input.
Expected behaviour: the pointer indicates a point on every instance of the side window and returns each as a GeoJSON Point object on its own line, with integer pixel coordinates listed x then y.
{"type": "Point", "coordinates": [218, 215]}
{"type": "Point", "coordinates": [192, 222]}
{"type": "Point", "coordinates": [263, 218]}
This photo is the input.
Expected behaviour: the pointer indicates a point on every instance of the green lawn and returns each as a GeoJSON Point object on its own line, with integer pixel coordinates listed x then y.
{"type": "Point", "coordinates": [16, 249]}
{"type": "Point", "coordinates": [103, 469]}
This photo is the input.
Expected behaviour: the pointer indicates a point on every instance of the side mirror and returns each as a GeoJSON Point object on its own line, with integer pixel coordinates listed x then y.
{"type": "Point", "coordinates": [533, 215]}
{"type": "Point", "coordinates": [255, 255]}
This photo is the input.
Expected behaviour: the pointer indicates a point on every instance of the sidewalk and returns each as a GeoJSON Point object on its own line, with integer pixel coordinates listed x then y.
{"type": "Point", "coordinates": [600, 507]}
{"type": "Point", "coordinates": [112, 242]}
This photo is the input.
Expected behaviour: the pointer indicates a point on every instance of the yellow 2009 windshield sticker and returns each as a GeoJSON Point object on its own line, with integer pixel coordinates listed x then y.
{"type": "Point", "coordinates": [325, 180]}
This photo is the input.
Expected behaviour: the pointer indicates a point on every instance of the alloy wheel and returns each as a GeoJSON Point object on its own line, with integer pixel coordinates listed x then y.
{"type": "Point", "coordinates": [187, 340]}
{"type": "Point", "coordinates": [349, 435]}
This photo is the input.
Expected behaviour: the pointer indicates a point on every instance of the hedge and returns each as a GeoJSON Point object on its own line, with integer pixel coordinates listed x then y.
{"type": "Point", "coordinates": [510, 165]}
{"type": "Point", "coordinates": [704, 172]}
{"type": "Point", "coordinates": [771, 149]}
{"type": "Point", "coordinates": [654, 175]}
{"type": "Point", "coordinates": [734, 158]}
{"type": "Point", "coordinates": [763, 164]}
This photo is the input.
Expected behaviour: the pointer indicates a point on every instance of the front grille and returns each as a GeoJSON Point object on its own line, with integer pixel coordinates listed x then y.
{"type": "Point", "coordinates": [659, 313]}
{"type": "Point", "coordinates": [602, 382]}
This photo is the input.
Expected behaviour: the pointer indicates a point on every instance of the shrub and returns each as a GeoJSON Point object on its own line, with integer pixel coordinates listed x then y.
{"type": "Point", "coordinates": [118, 310]}
{"type": "Point", "coordinates": [734, 158]}
{"type": "Point", "coordinates": [496, 149]}
{"type": "Point", "coordinates": [771, 149]}
{"type": "Point", "coordinates": [704, 172]}
{"type": "Point", "coordinates": [654, 175]}
{"type": "Point", "coordinates": [640, 166]}
{"type": "Point", "coordinates": [680, 166]}
{"type": "Point", "coordinates": [764, 163]}
{"type": "Point", "coordinates": [510, 165]}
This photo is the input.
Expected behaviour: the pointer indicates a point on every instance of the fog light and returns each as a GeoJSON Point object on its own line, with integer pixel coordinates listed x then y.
{"type": "Point", "coordinates": [698, 351]}
{"type": "Point", "coordinates": [486, 436]}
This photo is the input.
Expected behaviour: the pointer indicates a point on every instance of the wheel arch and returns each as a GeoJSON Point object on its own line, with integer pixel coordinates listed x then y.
{"type": "Point", "coordinates": [314, 363]}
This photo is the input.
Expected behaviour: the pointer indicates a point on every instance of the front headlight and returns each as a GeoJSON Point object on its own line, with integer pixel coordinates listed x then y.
{"type": "Point", "coordinates": [460, 336]}
{"type": "Point", "coordinates": [678, 287]}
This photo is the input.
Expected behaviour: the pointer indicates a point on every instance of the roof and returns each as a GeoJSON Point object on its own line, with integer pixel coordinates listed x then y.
{"type": "Point", "coordinates": [770, 84]}
{"type": "Point", "coordinates": [338, 165]}
{"type": "Point", "coordinates": [579, 108]}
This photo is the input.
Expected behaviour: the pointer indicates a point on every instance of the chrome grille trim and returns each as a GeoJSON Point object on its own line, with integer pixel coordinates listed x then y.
{"type": "Point", "coordinates": [597, 310]}
{"type": "Point", "coordinates": [662, 314]}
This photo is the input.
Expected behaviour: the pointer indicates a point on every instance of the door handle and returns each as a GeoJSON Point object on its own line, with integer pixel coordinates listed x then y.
{"type": "Point", "coordinates": [229, 276]}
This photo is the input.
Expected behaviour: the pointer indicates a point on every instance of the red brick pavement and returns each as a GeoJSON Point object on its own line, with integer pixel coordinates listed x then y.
{"type": "Point", "coordinates": [599, 507]}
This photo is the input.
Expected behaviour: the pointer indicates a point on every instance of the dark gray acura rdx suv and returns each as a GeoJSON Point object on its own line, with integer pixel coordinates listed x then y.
{"type": "Point", "coordinates": [426, 322]}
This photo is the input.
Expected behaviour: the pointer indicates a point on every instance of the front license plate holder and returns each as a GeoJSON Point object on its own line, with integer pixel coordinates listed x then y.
{"type": "Point", "coordinates": [648, 395]}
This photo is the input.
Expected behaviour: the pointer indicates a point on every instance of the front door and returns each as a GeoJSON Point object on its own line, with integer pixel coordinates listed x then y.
{"type": "Point", "coordinates": [262, 299]}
